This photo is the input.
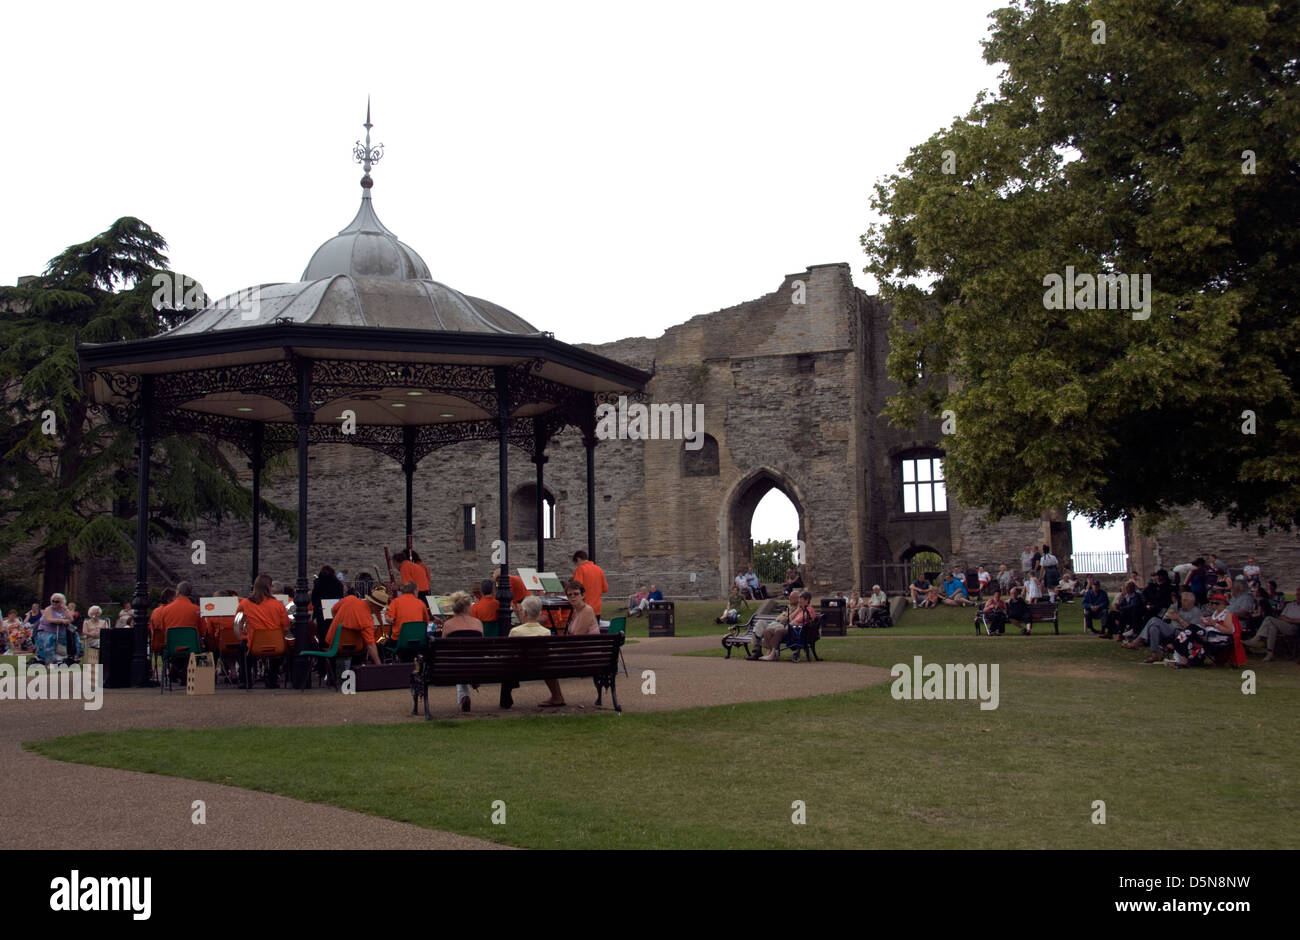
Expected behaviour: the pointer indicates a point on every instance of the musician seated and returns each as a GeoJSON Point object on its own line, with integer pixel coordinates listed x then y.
{"type": "Point", "coordinates": [181, 611]}
{"type": "Point", "coordinates": [262, 612]}
{"type": "Point", "coordinates": [353, 613]}
{"type": "Point", "coordinates": [406, 608]}
{"type": "Point", "coordinates": [487, 607]}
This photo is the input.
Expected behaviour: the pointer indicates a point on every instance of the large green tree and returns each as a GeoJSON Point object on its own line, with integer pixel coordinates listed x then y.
{"type": "Point", "coordinates": [66, 468]}
{"type": "Point", "coordinates": [1142, 137]}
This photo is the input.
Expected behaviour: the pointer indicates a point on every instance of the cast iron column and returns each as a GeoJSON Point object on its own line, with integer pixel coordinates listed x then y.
{"type": "Point", "coordinates": [140, 603]}
{"type": "Point", "coordinates": [256, 465]}
{"type": "Point", "coordinates": [539, 458]}
{"type": "Point", "coordinates": [589, 441]}
{"type": "Point", "coordinates": [408, 468]}
{"type": "Point", "coordinates": [503, 468]}
{"type": "Point", "coordinates": [304, 414]}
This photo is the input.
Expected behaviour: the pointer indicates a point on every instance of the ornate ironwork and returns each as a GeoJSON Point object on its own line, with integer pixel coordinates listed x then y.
{"type": "Point", "coordinates": [275, 380]}
{"type": "Point", "coordinates": [367, 155]}
{"type": "Point", "coordinates": [333, 379]}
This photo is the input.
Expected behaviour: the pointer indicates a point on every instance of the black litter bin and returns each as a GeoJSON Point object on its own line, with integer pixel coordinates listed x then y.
{"type": "Point", "coordinates": [663, 618]}
{"type": "Point", "coordinates": [832, 611]}
{"type": "Point", "coordinates": [115, 648]}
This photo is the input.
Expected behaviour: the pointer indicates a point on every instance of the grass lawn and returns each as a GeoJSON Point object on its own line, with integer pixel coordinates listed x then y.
{"type": "Point", "coordinates": [1078, 721]}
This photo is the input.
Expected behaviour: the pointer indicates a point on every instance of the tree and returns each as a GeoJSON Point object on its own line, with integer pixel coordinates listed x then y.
{"type": "Point", "coordinates": [1154, 138]}
{"type": "Point", "coordinates": [65, 466]}
{"type": "Point", "coordinates": [772, 559]}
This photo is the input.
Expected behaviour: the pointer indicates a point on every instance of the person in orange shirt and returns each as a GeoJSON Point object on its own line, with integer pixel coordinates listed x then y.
{"type": "Point", "coordinates": [262, 612]}
{"type": "Point", "coordinates": [157, 632]}
{"type": "Point", "coordinates": [406, 608]}
{"type": "Point", "coordinates": [181, 612]}
{"type": "Point", "coordinates": [487, 607]}
{"type": "Point", "coordinates": [353, 613]}
{"type": "Point", "coordinates": [416, 572]}
{"type": "Point", "coordinates": [517, 593]}
{"type": "Point", "coordinates": [592, 578]}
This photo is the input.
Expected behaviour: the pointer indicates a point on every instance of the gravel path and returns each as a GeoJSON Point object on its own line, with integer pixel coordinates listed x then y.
{"type": "Point", "coordinates": [116, 809]}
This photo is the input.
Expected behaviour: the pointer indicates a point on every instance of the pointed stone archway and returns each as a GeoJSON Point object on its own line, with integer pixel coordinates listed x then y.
{"type": "Point", "coordinates": [735, 544]}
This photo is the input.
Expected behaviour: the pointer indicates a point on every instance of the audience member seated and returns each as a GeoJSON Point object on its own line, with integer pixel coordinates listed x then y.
{"type": "Point", "coordinates": [638, 602]}
{"type": "Point", "coordinates": [918, 589]}
{"type": "Point", "coordinates": [793, 581]}
{"type": "Point", "coordinates": [1251, 572]}
{"type": "Point", "coordinates": [955, 593]}
{"type": "Point", "coordinates": [125, 616]}
{"type": "Point", "coordinates": [876, 607]}
{"type": "Point", "coordinates": [933, 597]}
{"type": "Point", "coordinates": [1286, 624]}
{"type": "Point", "coordinates": [1018, 610]}
{"type": "Point", "coordinates": [1065, 591]}
{"type": "Point", "coordinates": [994, 614]}
{"type": "Point", "coordinates": [1006, 580]}
{"type": "Point", "coordinates": [756, 588]}
{"type": "Point", "coordinates": [1128, 615]}
{"type": "Point", "coordinates": [743, 586]}
{"type": "Point", "coordinates": [658, 595]}
{"type": "Point", "coordinates": [985, 579]}
{"type": "Point", "coordinates": [461, 623]}
{"type": "Point", "coordinates": [729, 615]}
{"type": "Point", "coordinates": [1095, 605]}
{"type": "Point", "coordinates": [1158, 631]}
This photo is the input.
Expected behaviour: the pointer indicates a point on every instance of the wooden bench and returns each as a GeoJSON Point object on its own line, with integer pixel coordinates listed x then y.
{"type": "Point", "coordinates": [492, 660]}
{"type": "Point", "coordinates": [1039, 612]}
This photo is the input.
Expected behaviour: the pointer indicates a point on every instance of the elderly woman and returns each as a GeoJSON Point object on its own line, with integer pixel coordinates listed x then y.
{"type": "Point", "coordinates": [582, 622]}
{"type": "Point", "coordinates": [462, 623]}
{"type": "Point", "coordinates": [125, 616]}
{"type": "Point", "coordinates": [94, 623]}
{"type": "Point", "coordinates": [55, 620]}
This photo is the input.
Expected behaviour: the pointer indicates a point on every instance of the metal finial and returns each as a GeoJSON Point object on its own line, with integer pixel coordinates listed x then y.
{"type": "Point", "coordinates": [365, 154]}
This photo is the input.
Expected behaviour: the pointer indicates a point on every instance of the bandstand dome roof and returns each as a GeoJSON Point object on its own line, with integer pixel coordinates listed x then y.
{"type": "Point", "coordinates": [373, 335]}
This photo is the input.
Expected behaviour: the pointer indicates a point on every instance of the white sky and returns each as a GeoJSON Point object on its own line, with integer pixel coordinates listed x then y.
{"type": "Point", "coordinates": [602, 170]}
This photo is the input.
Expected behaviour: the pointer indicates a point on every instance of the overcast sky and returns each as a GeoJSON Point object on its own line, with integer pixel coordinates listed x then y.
{"type": "Point", "coordinates": [603, 170]}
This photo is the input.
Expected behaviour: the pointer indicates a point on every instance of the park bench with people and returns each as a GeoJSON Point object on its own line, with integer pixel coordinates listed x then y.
{"type": "Point", "coordinates": [474, 661]}
{"type": "Point", "coordinates": [1039, 612]}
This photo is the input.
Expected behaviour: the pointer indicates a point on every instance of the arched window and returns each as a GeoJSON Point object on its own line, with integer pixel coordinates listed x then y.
{"type": "Point", "coordinates": [523, 513]}
{"type": "Point", "coordinates": [702, 462]}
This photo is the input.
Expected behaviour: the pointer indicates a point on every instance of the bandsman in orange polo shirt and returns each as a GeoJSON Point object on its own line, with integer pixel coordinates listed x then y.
{"type": "Point", "coordinates": [353, 613]}
{"type": "Point", "coordinates": [416, 572]}
{"type": "Point", "coordinates": [487, 607]}
{"type": "Point", "coordinates": [406, 608]}
{"type": "Point", "coordinates": [592, 578]}
{"type": "Point", "coordinates": [180, 612]}
{"type": "Point", "coordinates": [157, 632]}
{"type": "Point", "coordinates": [263, 613]}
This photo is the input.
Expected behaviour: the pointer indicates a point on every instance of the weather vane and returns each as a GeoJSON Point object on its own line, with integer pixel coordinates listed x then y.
{"type": "Point", "coordinates": [365, 154]}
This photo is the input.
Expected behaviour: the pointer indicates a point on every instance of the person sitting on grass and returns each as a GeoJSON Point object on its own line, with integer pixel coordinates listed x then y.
{"type": "Point", "coordinates": [933, 597]}
{"type": "Point", "coordinates": [918, 590]}
{"type": "Point", "coordinates": [1018, 611]}
{"type": "Point", "coordinates": [729, 613]}
{"type": "Point", "coordinates": [1126, 615]}
{"type": "Point", "coordinates": [1158, 631]}
{"type": "Point", "coordinates": [994, 614]}
{"type": "Point", "coordinates": [955, 593]}
{"type": "Point", "coordinates": [793, 581]}
{"type": "Point", "coordinates": [1286, 624]}
{"type": "Point", "coordinates": [638, 602]}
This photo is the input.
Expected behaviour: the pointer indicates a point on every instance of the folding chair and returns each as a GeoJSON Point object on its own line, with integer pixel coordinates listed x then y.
{"type": "Point", "coordinates": [181, 641]}
{"type": "Point", "coordinates": [262, 644]}
{"type": "Point", "coordinates": [619, 625]}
